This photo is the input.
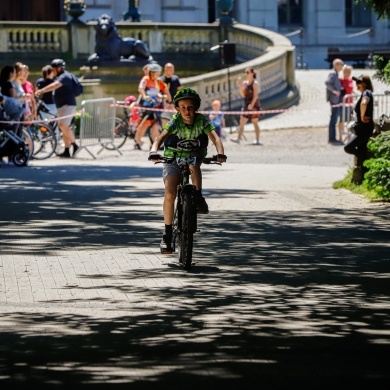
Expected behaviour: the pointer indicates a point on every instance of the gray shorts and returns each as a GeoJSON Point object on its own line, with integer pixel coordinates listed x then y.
{"type": "Point", "coordinates": [65, 111]}
{"type": "Point", "coordinates": [170, 169]}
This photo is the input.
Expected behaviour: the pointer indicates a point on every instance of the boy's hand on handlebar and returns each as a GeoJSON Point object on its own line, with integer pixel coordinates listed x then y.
{"type": "Point", "coordinates": [221, 158]}
{"type": "Point", "coordinates": [154, 156]}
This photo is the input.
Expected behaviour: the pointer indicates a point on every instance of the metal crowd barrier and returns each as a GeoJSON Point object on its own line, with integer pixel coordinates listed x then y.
{"type": "Point", "coordinates": [97, 123]}
{"type": "Point", "coordinates": [381, 106]}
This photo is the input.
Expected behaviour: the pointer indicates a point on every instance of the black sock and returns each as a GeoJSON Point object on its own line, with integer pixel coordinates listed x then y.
{"type": "Point", "coordinates": [168, 229]}
{"type": "Point", "coordinates": [66, 150]}
{"type": "Point", "coordinates": [198, 193]}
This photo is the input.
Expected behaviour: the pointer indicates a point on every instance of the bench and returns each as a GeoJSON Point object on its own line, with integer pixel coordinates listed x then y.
{"type": "Point", "coordinates": [358, 57]}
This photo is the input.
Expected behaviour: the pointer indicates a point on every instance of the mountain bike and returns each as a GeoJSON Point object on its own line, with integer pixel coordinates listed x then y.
{"type": "Point", "coordinates": [49, 120]}
{"type": "Point", "coordinates": [44, 140]}
{"type": "Point", "coordinates": [125, 128]}
{"type": "Point", "coordinates": [185, 215]}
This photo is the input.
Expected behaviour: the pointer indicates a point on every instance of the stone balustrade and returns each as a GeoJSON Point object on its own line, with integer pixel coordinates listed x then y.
{"type": "Point", "coordinates": [270, 54]}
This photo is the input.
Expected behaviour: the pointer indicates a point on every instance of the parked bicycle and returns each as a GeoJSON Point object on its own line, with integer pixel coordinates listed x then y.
{"type": "Point", "coordinates": [185, 213]}
{"type": "Point", "coordinates": [43, 138]}
{"type": "Point", "coordinates": [48, 119]}
{"type": "Point", "coordinates": [125, 128]}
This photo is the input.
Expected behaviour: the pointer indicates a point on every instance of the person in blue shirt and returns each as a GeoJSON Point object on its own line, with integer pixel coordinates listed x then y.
{"type": "Point", "coordinates": [65, 101]}
{"type": "Point", "coordinates": [217, 117]}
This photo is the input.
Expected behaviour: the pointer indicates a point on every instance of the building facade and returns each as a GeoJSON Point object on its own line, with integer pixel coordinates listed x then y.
{"type": "Point", "coordinates": [313, 26]}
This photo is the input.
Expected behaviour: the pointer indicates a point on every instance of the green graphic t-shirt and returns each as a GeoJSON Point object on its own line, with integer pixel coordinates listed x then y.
{"type": "Point", "coordinates": [178, 130]}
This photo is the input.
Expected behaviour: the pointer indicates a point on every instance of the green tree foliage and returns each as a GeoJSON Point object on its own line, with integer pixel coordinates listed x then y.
{"type": "Point", "coordinates": [380, 7]}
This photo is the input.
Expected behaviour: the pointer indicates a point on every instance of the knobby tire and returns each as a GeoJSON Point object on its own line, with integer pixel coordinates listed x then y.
{"type": "Point", "coordinates": [45, 141]}
{"type": "Point", "coordinates": [120, 134]}
{"type": "Point", "coordinates": [187, 230]}
{"type": "Point", "coordinates": [28, 140]}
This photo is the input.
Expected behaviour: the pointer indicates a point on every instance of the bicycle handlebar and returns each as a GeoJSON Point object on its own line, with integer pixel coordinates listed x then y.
{"type": "Point", "coordinates": [158, 158]}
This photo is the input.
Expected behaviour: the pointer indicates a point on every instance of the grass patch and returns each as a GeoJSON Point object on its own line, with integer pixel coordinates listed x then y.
{"type": "Point", "coordinates": [357, 189]}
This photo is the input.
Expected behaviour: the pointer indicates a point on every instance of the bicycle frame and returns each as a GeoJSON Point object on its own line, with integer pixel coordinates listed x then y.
{"type": "Point", "coordinates": [185, 216]}
{"type": "Point", "coordinates": [185, 211]}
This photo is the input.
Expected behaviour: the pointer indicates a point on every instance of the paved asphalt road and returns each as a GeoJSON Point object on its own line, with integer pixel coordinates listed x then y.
{"type": "Point", "coordinates": [290, 286]}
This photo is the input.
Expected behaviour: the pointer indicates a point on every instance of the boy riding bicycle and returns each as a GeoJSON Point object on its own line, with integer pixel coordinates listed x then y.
{"type": "Point", "coordinates": [185, 124]}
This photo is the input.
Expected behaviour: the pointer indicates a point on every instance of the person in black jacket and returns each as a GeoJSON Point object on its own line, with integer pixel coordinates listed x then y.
{"type": "Point", "coordinates": [364, 126]}
{"type": "Point", "coordinates": [47, 79]}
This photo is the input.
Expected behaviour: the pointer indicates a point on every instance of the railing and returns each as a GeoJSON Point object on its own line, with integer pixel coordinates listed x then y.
{"type": "Point", "coordinates": [381, 106]}
{"type": "Point", "coordinates": [34, 37]}
{"type": "Point", "coordinates": [270, 54]}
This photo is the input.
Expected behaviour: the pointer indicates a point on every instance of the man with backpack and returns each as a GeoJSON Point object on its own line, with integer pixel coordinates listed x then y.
{"type": "Point", "coordinates": [65, 89]}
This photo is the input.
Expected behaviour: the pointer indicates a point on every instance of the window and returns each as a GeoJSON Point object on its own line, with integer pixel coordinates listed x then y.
{"type": "Point", "coordinates": [356, 15]}
{"type": "Point", "coordinates": [290, 12]}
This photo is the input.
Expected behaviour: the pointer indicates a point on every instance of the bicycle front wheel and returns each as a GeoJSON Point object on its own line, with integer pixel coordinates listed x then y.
{"type": "Point", "coordinates": [188, 228]}
{"type": "Point", "coordinates": [45, 141]}
{"type": "Point", "coordinates": [120, 134]}
{"type": "Point", "coordinates": [28, 140]}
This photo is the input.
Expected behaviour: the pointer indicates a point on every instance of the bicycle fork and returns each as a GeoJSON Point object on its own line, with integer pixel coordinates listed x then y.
{"type": "Point", "coordinates": [178, 213]}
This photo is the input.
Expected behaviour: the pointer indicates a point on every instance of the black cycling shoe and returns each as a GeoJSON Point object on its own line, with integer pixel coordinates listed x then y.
{"type": "Point", "coordinates": [166, 244]}
{"type": "Point", "coordinates": [75, 149]}
{"type": "Point", "coordinates": [201, 205]}
{"type": "Point", "coordinates": [65, 154]}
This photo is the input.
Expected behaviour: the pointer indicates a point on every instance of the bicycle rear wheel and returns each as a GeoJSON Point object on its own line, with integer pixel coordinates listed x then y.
{"type": "Point", "coordinates": [188, 228]}
{"type": "Point", "coordinates": [44, 139]}
{"type": "Point", "coordinates": [120, 134]}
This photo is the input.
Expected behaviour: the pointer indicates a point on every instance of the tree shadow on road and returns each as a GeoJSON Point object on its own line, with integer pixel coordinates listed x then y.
{"type": "Point", "coordinates": [275, 298]}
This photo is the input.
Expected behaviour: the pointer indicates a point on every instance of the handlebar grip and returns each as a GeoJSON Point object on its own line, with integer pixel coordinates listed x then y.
{"type": "Point", "coordinates": [155, 156]}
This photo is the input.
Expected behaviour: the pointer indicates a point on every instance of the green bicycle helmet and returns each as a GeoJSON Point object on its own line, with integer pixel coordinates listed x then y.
{"type": "Point", "coordinates": [187, 93]}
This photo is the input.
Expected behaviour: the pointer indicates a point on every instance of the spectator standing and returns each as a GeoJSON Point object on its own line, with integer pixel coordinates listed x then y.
{"type": "Point", "coordinates": [20, 93]}
{"type": "Point", "coordinates": [29, 88]}
{"type": "Point", "coordinates": [7, 76]}
{"type": "Point", "coordinates": [47, 79]}
{"type": "Point", "coordinates": [333, 96]}
{"type": "Point", "coordinates": [346, 89]}
{"type": "Point", "coordinates": [173, 83]}
{"type": "Point", "coordinates": [217, 118]}
{"type": "Point", "coordinates": [65, 101]}
{"type": "Point", "coordinates": [249, 90]}
{"type": "Point", "coordinates": [364, 110]}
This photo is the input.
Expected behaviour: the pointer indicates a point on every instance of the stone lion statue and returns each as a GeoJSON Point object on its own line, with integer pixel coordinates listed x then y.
{"type": "Point", "coordinates": [110, 45]}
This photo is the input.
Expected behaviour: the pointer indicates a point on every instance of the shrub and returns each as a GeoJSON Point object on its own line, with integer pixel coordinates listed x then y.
{"type": "Point", "coordinates": [378, 176]}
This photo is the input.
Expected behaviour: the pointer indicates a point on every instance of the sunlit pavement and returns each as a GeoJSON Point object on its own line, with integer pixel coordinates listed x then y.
{"type": "Point", "coordinates": [289, 287]}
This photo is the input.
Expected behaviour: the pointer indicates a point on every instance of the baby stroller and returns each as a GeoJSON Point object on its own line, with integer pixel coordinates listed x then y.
{"type": "Point", "coordinates": [11, 145]}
